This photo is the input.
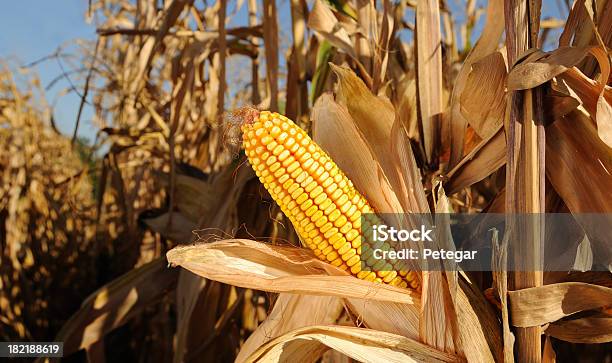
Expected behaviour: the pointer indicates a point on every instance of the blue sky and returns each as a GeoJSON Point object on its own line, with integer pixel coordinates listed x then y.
{"type": "Point", "coordinates": [32, 29]}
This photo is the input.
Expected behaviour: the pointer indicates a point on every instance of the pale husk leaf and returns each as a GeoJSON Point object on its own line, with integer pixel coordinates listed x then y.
{"type": "Point", "coordinates": [401, 319]}
{"type": "Point", "coordinates": [483, 101]}
{"type": "Point", "coordinates": [487, 44]}
{"type": "Point", "coordinates": [271, 268]}
{"type": "Point", "coordinates": [291, 312]}
{"type": "Point", "coordinates": [488, 156]}
{"type": "Point", "coordinates": [374, 126]}
{"type": "Point", "coordinates": [363, 345]}
{"type": "Point", "coordinates": [540, 305]}
{"type": "Point", "coordinates": [595, 329]}
{"type": "Point", "coordinates": [322, 20]}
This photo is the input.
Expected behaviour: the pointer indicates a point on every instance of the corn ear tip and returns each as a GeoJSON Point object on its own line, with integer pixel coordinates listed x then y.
{"type": "Point", "coordinates": [243, 115]}
{"type": "Point", "coordinates": [232, 127]}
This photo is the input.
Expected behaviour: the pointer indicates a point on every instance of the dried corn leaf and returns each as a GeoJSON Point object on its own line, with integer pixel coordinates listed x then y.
{"type": "Point", "coordinates": [595, 329]}
{"type": "Point", "coordinates": [374, 126]}
{"type": "Point", "coordinates": [575, 158]}
{"type": "Point", "coordinates": [589, 93]}
{"type": "Point", "coordinates": [322, 20]}
{"type": "Point", "coordinates": [487, 44]}
{"type": "Point", "coordinates": [292, 312]}
{"type": "Point", "coordinates": [540, 305]}
{"type": "Point", "coordinates": [488, 156]}
{"type": "Point", "coordinates": [429, 72]}
{"type": "Point", "coordinates": [435, 322]}
{"type": "Point", "coordinates": [360, 344]}
{"type": "Point", "coordinates": [195, 319]}
{"type": "Point", "coordinates": [401, 319]}
{"type": "Point", "coordinates": [593, 96]}
{"type": "Point", "coordinates": [410, 188]}
{"type": "Point", "coordinates": [187, 282]}
{"type": "Point", "coordinates": [535, 72]}
{"type": "Point", "coordinates": [271, 268]}
{"type": "Point", "coordinates": [478, 327]}
{"type": "Point", "coordinates": [483, 101]}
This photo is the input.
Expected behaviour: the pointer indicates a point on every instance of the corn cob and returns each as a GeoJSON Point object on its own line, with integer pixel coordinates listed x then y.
{"type": "Point", "coordinates": [320, 201]}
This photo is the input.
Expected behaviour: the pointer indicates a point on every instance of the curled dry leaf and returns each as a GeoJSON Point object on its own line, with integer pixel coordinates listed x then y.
{"type": "Point", "coordinates": [290, 312]}
{"type": "Point", "coordinates": [575, 158]}
{"type": "Point", "coordinates": [540, 305]}
{"type": "Point", "coordinates": [402, 319]}
{"type": "Point", "coordinates": [595, 98]}
{"type": "Point", "coordinates": [271, 268]}
{"type": "Point", "coordinates": [483, 101]}
{"type": "Point", "coordinates": [594, 95]}
{"type": "Point", "coordinates": [487, 44]}
{"type": "Point", "coordinates": [374, 126]}
{"type": "Point", "coordinates": [322, 20]}
{"type": "Point", "coordinates": [595, 329]}
{"type": "Point", "coordinates": [488, 156]}
{"type": "Point", "coordinates": [363, 345]}
{"type": "Point", "coordinates": [534, 72]}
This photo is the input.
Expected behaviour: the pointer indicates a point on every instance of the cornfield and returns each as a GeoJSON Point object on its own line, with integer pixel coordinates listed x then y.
{"type": "Point", "coordinates": [192, 230]}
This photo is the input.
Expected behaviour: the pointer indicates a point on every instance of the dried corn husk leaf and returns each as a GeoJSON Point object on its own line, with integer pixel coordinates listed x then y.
{"type": "Point", "coordinates": [487, 44]}
{"type": "Point", "coordinates": [575, 157]}
{"type": "Point", "coordinates": [595, 329]}
{"type": "Point", "coordinates": [374, 126]}
{"type": "Point", "coordinates": [335, 131]}
{"type": "Point", "coordinates": [488, 156]}
{"type": "Point", "coordinates": [483, 101]}
{"type": "Point", "coordinates": [266, 267]}
{"type": "Point", "coordinates": [115, 303]}
{"type": "Point", "coordinates": [540, 305]}
{"type": "Point", "coordinates": [401, 319]}
{"type": "Point", "coordinates": [322, 20]}
{"type": "Point", "coordinates": [361, 344]}
{"type": "Point", "coordinates": [436, 321]}
{"type": "Point", "coordinates": [591, 94]}
{"type": "Point", "coordinates": [410, 193]}
{"type": "Point", "coordinates": [478, 327]}
{"type": "Point", "coordinates": [291, 312]}
{"type": "Point", "coordinates": [543, 68]}
{"type": "Point", "coordinates": [375, 130]}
